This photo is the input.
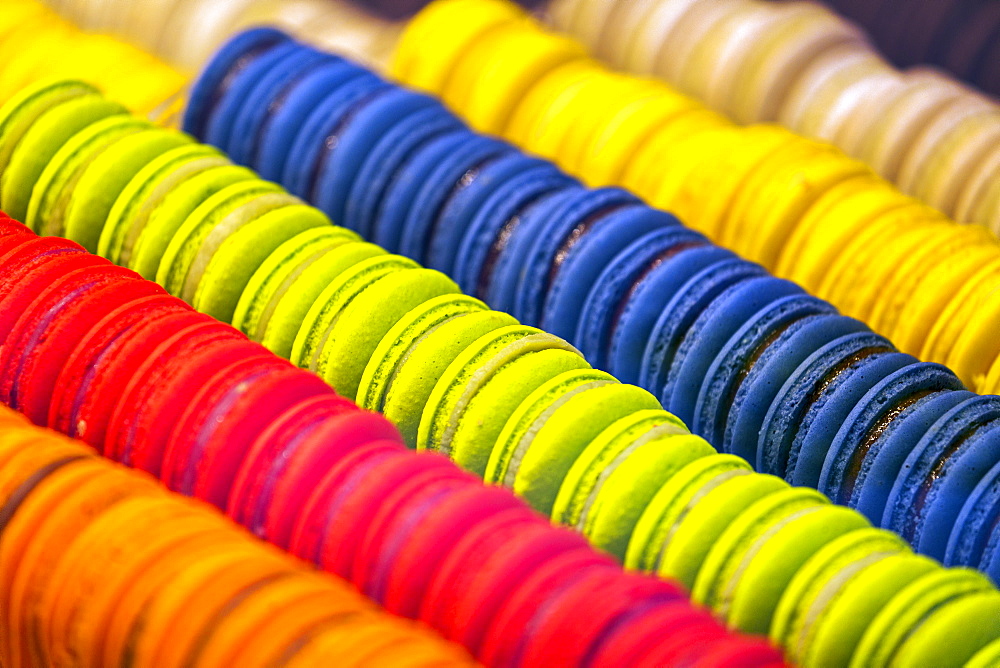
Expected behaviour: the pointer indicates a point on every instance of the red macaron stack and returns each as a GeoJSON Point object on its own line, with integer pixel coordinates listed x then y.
{"type": "Point", "coordinates": [95, 351]}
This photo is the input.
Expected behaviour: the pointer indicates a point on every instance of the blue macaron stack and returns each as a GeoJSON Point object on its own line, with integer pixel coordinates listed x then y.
{"type": "Point", "coordinates": [749, 361]}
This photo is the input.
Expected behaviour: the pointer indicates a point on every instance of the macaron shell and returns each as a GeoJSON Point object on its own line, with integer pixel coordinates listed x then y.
{"type": "Point", "coordinates": [670, 504]}
{"type": "Point", "coordinates": [241, 253]}
{"type": "Point", "coordinates": [104, 179]}
{"type": "Point", "coordinates": [402, 338]}
{"type": "Point", "coordinates": [561, 439]}
{"type": "Point", "coordinates": [693, 535]}
{"type": "Point", "coordinates": [358, 331]}
{"type": "Point", "coordinates": [293, 305]}
{"type": "Point", "coordinates": [631, 485]}
{"type": "Point", "coordinates": [36, 147]}
{"type": "Point", "coordinates": [168, 217]}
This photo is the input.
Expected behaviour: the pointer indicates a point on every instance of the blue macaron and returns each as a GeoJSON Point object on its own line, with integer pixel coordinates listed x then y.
{"type": "Point", "coordinates": [210, 86]}
{"type": "Point", "coordinates": [608, 292]}
{"type": "Point", "coordinates": [263, 98]}
{"type": "Point", "coordinates": [568, 223]}
{"type": "Point", "coordinates": [358, 134]}
{"type": "Point", "coordinates": [975, 540]}
{"type": "Point", "coordinates": [495, 221]}
{"type": "Point", "coordinates": [512, 261]}
{"type": "Point", "coordinates": [448, 175]}
{"type": "Point", "coordinates": [776, 445]}
{"type": "Point", "coordinates": [312, 140]}
{"type": "Point", "coordinates": [773, 366]}
{"type": "Point", "coordinates": [681, 313]}
{"type": "Point", "coordinates": [829, 412]}
{"type": "Point", "coordinates": [387, 158]}
{"type": "Point", "coordinates": [856, 446]}
{"type": "Point", "coordinates": [891, 448]}
{"type": "Point", "coordinates": [464, 202]}
{"type": "Point", "coordinates": [585, 256]}
{"type": "Point", "coordinates": [290, 110]}
{"type": "Point", "coordinates": [709, 334]}
{"type": "Point", "coordinates": [219, 125]}
{"type": "Point", "coordinates": [741, 353]}
{"type": "Point", "coordinates": [941, 471]}
{"type": "Point", "coordinates": [648, 298]}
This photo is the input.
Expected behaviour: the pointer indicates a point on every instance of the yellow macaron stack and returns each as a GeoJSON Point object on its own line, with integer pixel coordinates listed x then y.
{"type": "Point", "coordinates": [37, 44]}
{"type": "Point", "coordinates": [800, 64]}
{"type": "Point", "coordinates": [798, 206]}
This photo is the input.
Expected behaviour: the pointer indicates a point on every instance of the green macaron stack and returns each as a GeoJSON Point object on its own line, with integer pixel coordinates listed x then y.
{"type": "Point", "coordinates": [516, 405]}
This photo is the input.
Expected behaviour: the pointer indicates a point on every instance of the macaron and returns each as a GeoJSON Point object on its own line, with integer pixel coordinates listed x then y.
{"type": "Point", "coordinates": [940, 472]}
{"type": "Point", "coordinates": [778, 447]}
{"type": "Point", "coordinates": [593, 496]}
{"type": "Point", "coordinates": [468, 197]}
{"type": "Point", "coordinates": [680, 314]}
{"type": "Point", "coordinates": [856, 445]}
{"type": "Point", "coordinates": [585, 302]}
{"type": "Point", "coordinates": [490, 230]}
{"type": "Point", "coordinates": [825, 609]}
{"type": "Point", "coordinates": [671, 504]}
{"type": "Point", "coordinates": [28, 153]}
{"type": "Point", "coordinates": [389, 154]}
{"type": "Point", "coordinates": [228, 61]}
{"type": "Point", "coordinates": [973, 539]}
{"type": "Point", "coordinates": [484, 385]}
{"type": "Point", "coordinates": [131, 211]}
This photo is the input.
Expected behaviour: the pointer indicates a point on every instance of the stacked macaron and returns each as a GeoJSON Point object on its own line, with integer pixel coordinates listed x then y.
{"type": "Point", "coordinates": [37, 44]}
{"type": "Point", "coordinates": [187, 587]}
{"type": "Point", "coordinates": [961, 36]}
{"type": "Point", "coordinates": [729, 350]}
{"type": "Point", "coordinates": [428, 542]}
{"type": "Point", "coordinates": [800, 64]}
{"type": "Point", "coordinates": [800, 208]}
{"type": "Point", "coordinates": [186, 34]}
{"type": "Point", "coordinates": [93, 350]}
{"type": "Point", "coordinates": [507, 401]}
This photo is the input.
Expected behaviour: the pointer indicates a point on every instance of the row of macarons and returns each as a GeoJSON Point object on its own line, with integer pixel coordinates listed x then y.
{"type": "Point", "coordinates": [58, 49]}
{"type": "Point", "coordinates": [188, 588]}
{"type": "Point", "coordinates": [750, 362]}
{"type": "Point", "coordinates": [510, 401]}
{"type": "Point", "coordinates": [962, 36]}
{"type": "Point", "coordinates": [186, 34]}
{"type": "Point", "coordinates": [800, 64]}
{"type": "Point", "coordinates": [93, 350]}
{"type": "Point", "coordinates": [800, 208]}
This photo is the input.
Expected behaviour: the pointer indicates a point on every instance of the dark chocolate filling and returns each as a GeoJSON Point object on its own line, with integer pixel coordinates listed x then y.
{"type": "Point", "coordinates": [28, 485]}
{"type": "Point", "coordinates": [503, 238]}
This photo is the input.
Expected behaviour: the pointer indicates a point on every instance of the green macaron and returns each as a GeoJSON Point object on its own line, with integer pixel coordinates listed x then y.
{"type": "Point", "coordinates": [708, 515]}
{"type": "Point", "coordinates": [742, 538]}
{"type": "Point", "coordinates": [413, 355]}
{"type": "Point", "coordinates": [631, 481]}
{"type": "Point", "coordinates": [171, 207]}
{"type": "Point", "coordinates": [832, 599]}
{"type": "Point", "coordinates": [915, 614]}
{"type": "Point", "coordinates": [609, 519]}
{"type": "Point", "coordinates": [41, 133]}
{"type": "Point", "coordinates": [329, 305]}
{"type": "Point", "coordinates": [144, 192]}
{"type": "Point", "coordinates": [987, 657]}
{"type": "Point", "coordinates": [25, 107]}
{"type": "Point", "coordinates": [103, 180]}
{"type": "Point", "coordinates": [52, 193]}
{"type": "Point", "coordinates": [290, 309]}
{"type": "Point", "coordinates": [551, 430]}
{"type": "Point", "coordinates": [207, 228]}
{"type": "Point", "coordinates": [484, 385]}
{"type": "Point", "coordinates": [364, 318]}
{"type": "Point", "coordinates": [240, 253]}
{"type": "Point", "coordinates": [279, 270]}
{"type": "Point", "coordinates": [402, 340]}
{"type": "Point", "coordinates": [672, 502]}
